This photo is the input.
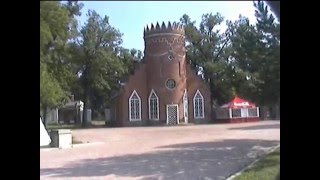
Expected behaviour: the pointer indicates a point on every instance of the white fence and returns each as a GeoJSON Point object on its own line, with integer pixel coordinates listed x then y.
{"type": "Point", "coordinates": [227, 113]}
{"type": "Point", "coordinates": [245, 112]}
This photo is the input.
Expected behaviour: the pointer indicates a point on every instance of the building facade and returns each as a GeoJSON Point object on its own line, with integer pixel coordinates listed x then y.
{"type": "Point", "coordinates": [163, 89]}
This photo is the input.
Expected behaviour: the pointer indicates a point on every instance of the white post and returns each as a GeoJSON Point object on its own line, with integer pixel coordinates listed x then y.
{"type": "Point", "coordinates": [230, 113]}
{"type": "Point", "coordinates": [107, 114]}
{"type": "Point", "coordinates": [89, 115]}
{"type": "Point", "coordinates": [55, 115]}
{"type": "Point", "coordinates": [257, 111]}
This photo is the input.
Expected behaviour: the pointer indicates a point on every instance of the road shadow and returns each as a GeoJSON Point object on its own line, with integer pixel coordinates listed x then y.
{"type": "Point", "coordinates": [204, 160]}
{"type": "Point", "coordinates": [267, 126]}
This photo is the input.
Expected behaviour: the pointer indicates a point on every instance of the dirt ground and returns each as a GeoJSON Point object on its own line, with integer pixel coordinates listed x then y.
{"type": "Point", "coordinates": [213, 151]}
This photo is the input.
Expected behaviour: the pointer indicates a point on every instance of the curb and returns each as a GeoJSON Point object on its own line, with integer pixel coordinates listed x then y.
{"type": "Point", "coordinates": [87, 144]}
{"type": "Point", "coordinates": [254, 162]}
{"type": "Point", "coordinates": [73, 146]}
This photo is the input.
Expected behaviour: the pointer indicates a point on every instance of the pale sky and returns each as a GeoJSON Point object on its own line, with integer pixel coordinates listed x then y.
{"type": "Point", "coordinates": [130, 17]}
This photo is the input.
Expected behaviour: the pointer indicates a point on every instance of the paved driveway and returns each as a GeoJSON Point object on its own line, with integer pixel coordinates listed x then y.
{"type": "Point", "coordinates": [180, 152]}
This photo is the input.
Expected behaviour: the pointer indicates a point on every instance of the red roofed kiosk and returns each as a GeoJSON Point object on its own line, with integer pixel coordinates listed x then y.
{"type": "Point", "coordinates": [236, 111]}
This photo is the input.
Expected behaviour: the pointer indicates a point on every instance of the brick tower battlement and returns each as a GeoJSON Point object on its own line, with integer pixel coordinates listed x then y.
{"type": "Point", "coordinates": [154, 30]}
{"type": "Point", "coordinates": [160, 39]}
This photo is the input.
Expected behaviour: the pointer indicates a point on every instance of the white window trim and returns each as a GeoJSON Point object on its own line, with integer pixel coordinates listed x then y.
{"type": "Point", "coordinates": [257, 110]}
{"type": "Point", "coordinates": [130, 119]}
{"type": "Point", "coordinates": [194, 105]}
{"type": "Point", "coordinates": [246, 114]}
{"type": "Point", "coordinates": [237, 117]}
{"type": "Point", "coordinates": [152, 91]}
{"type": "Point", "coordinates": [185, 111]}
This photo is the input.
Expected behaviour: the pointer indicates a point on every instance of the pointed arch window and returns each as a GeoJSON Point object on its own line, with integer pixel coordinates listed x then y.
{"type": "Point", "coordinates": [198, 105]}
{"type": "Point", "coordinates": [134, 107]}
{"type": "Point", "coordinates": [153, 106]}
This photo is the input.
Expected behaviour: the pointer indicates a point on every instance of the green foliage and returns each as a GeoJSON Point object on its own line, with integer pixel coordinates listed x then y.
{"type": "Point", "coordinates": [98, 65]}
{"type": "Point", "coordinates": [57, 26]}
{"type": "Point", "coordinates": [266, 169]}
{"type": "Point", "coordinates": [206, 54]}
{"type": "Point", "coordinates": [244, 60]}
{"type": "Point", "coordinates": [54, 23]}
{"type": "Point", "coordinates": [131, 59]}
{"type": "Point", "coordinates": [256, 56]}
{"type": "Point", "coordinates": [51, 94]}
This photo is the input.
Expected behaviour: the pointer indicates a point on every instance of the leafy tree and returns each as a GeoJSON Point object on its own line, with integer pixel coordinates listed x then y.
{"type": "Point", "coordinates": [51, 94]}
{"type": "Point", "coordinates": [54, 22]}
{"type": "Point", "coordinates": [256, 57]}
{"type": "Point", "coordinates": [57, 27]}
{"type": "Point", "coordinates": [131, 59]}
{"type": "Point", "coordinates": [270, 69]}
{"type": "Point", "coordinates": [206, 49]}
{"type": "Point", "coordinates": [244, 60]}
{"type": "Point", "coordinates": [99, 68]}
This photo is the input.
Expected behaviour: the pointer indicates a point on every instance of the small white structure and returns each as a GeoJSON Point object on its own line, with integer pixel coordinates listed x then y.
{"type": "Point", "coordinates": [72, 112]}
{"type": "Point", "coordinates": [44, 136]}
{"type": "Point", "coordinates": [89, 115]}
{"type": "Point", "coordinates": [107, 114]}
{"type": "Point", "coordinates": [238, 110]}
{"type": "Point", "coordinates": [61, 138]}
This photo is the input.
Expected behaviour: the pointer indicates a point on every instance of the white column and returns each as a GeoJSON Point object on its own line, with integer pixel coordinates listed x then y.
{"type": "Point", "coordinates": [89, 115]}
{"type": "Point", "coordinates": [55, 115]}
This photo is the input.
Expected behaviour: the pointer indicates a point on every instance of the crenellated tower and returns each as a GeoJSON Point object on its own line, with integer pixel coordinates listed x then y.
{"type": "Point", "coordinates": [165, 58]}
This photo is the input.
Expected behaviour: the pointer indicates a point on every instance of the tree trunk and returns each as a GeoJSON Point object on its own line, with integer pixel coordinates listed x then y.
{"type": "Point", "coordinates": [211, 86]}
{"type": "Point", "coordinates": [86, 88]}
{"type": "Point", "coordinates": [85, 107]}
{"type": "Point", "coordinates": [45, 116]}
{"type": "Point", "coordinates": [86, 102]}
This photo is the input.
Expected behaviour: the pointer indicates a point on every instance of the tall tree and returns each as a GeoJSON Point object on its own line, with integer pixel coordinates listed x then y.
{"type": "Point", "coordinates": [206, 49]}
{"type": "Point", "coordinates": [270, 71]}
{"type": "Point", "coordinates": [256, 57]}
{"type": "Point", "coordinates": [57, 26]}
{"type": "Point", "coordinates": [54, 25]}
{"type": "Point", "coordinates": [99, 68]}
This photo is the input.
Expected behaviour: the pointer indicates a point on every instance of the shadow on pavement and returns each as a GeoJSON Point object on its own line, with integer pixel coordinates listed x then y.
{"type": "Point", "coordinates": [216, 160]}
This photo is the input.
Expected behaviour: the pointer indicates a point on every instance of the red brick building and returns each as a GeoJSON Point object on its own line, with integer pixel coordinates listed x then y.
{"type": "Point", "coordinates": [163, 89]}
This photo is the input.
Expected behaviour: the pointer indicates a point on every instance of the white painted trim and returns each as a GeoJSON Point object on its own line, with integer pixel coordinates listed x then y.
{"type": "Point", "coordinates": [152, 91]}
{"type": "Point", "coordinates": [177, 112]}
{"type": "Point", "coordinates": [194, 103]}
{"type": "Point", "coordinates": [186, 120]}
{"type": "Point", "coordinates": [166, 34]}
{"type": "Point", "coordinates": [134, 92]}
{"type": "Point", "coordinates": [244, 112]}
{"type": "Point", "coordinates": [247, 109]}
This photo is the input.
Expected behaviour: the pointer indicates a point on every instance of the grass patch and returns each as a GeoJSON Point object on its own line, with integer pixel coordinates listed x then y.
{"type": "Point", "coordinates": [62, 126]}
{"type": "Point", "coordinates": [267, 168]}
{"type": "Point", "coordinates": [43, 147]}
{"type": "Point", "coordinates": [94, 124]}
